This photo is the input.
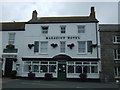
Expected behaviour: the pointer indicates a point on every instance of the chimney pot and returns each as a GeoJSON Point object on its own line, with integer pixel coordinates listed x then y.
{"type": "Point", "coordinates": [34, 15]}
{"type": "Point", "coordinates": [92, 13]}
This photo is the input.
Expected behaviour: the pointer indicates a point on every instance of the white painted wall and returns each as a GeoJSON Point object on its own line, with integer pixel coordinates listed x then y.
{"type": "Point", "coordinates": [33, 33]}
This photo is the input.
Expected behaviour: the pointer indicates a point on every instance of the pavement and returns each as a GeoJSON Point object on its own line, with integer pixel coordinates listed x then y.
{"type": "Point", "coordinates": [25, 83]}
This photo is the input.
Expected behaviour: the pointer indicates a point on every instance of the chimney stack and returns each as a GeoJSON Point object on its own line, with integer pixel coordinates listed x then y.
{"type": "Point", "coordinates": [34, 15]}
{"type": "Point", "coordinates": [92, 13]}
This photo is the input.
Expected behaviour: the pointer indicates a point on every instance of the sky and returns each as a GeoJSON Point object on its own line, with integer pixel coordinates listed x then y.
{"type": "Point", "coordinates": [106, 12]}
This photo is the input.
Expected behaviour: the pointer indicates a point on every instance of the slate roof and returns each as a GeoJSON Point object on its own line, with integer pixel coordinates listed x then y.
{"type": "Point", "coordinates": [85, 19]}
{"type": "Point", "coordinates": [12, 26]}
{"type": "Point", "coordinates": [109, 27]}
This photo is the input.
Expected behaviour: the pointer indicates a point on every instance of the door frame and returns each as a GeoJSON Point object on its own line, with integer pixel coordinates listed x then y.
{"type": "Point", "coordinates": [62, 70]}
{"type": "Point", "coordinates": [8, 61]}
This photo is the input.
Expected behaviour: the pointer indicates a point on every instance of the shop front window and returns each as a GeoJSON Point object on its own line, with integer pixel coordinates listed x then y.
{"type": "Point", "coordinates": [52, 68]}
{"type": "Point", "coordinates": [78, 69]}
{"type": "Point", "coordinates": [86, 69]}
{"type": "Point", "coordinates": [27, 66]}
{"type": "Point", "coordinates": [44, 68]}
{"type": "Point", "coordinates": [35, 68]}
{"type": "Point", "coordinates": [94, 69]}
{"type": "Point", "coordinates": [70, 69]}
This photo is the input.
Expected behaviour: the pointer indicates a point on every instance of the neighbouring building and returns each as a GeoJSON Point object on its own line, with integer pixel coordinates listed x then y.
{"type": "Point", "coordinates": [62, 46]}
{"type": "Point", "coordinates": [110, 51]}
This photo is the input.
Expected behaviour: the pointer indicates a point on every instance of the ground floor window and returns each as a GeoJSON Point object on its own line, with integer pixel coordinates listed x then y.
{"type": "Point", "coordinates": [82, 67]}
{"type": "Point", "coordinates": [40, 66]}
{"type": "Point", "coordinates": [117, 71]}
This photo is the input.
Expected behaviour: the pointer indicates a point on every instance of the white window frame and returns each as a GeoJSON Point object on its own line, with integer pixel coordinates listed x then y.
{"type": "Point", "coordinates": [63, 29]}
{"type": "Point", "coordinates": [82, 66]}
{"type": "Point", "coordinates": [39, 66]}
{"type": "Point", "coordinates": [85, 47]}
{"type": "Point", "coordinates": [62, 47]}
{"type": "Point", "coordinates": [44, 31]}
{"type": "Point", "coordinates": [41, 47]}
{"type": "Point", "coordinates": [116, 56]}
{"type": "Point", "coordinates": [117, 75]}
{"type": "Point", "coordinates": [115, 39]}
{"type": "Point", "coordinates": [11, 40]}
{"type": "Point", "coordinates": [81, 30]}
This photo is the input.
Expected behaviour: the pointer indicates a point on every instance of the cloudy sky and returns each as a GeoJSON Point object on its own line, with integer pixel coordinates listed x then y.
{"type": "Point", "coordinates": [106, 12]}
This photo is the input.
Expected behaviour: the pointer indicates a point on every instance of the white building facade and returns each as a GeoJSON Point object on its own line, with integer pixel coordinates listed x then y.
{"type": "Point", "coordinates": [62, 46]}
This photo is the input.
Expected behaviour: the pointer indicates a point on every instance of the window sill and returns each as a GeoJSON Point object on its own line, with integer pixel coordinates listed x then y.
{"type": "Point", "coordinates": [82, 53]}
{"type": "Point", "coordinates": [116, 42]}
{"type": "Point", "coordinates": [43, 53]}
{"type": "Point", "coordinates": [117, 59]}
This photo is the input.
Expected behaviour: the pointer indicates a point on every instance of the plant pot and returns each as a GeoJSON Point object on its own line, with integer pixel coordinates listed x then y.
{"type": "Point", "coordinates": [31, 75]}
{"type": "Point", "coordinates": [13, 74]}
{"type": "Point", "coordinates": [48, 76]}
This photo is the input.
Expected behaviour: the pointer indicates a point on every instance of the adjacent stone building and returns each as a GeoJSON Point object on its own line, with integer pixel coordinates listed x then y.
{"type": "Point", "coordinates": [110, 51]}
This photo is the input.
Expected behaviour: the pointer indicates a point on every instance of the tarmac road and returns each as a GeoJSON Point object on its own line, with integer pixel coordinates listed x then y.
{"type": "Point", "coordinates": [24, 83]}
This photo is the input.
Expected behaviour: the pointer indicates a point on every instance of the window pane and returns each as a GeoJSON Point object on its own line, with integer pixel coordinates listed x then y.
{"type": "Point", "coordinates": [11, 38]}
{"type": "Point", "coordinates": [70, 62]}
{"type": "Point", "coordinates": [81, 47]}
{"type": "Point", "coordinates": [93, 62]}
{"type": "Point", "coordinates": [70, 69]}
{"type": "Point", "coordinates": [35, 68]}
{"type": "Point", "coordinates": [78, 69]}
{"type": "Point", "coordinates": [78, 62]}
{"type": "Point", "coordinates": [43, 62]}
{"type": "Point", "coordinates": [27, 67]}
{"type": "Point", "coordinates": [118, 71]}
{"type": "Point", "coordinates": [44, 46]}
{"type": "Point", "coordinates": [118, 38]}
{"type": "Point", "coordinates": [94, 69]}
{"type": "Point", "coordinates": [81, 29]}
{"type": "Point", "coordinates": [52, 62]}
{"type": "Point", "coordinates": [86, 69]}
{"type": "Point", "coordinates": [62, 47]}
{"type": "Point", "coordinates": [115, 71]}
{"type": "Point", "coordinates": [52, 68]}
{"type": "Point", "coordinates": [44, 68]}
{"type": "Point", "coordinates": [44, 29]}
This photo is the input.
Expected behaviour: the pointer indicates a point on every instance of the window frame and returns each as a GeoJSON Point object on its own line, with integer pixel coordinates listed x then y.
{"type": "Point", "coordinates": [115, 39]}
{"type": "Point", "coordinates": [62, 29]}
{"type": "Point", "coordinates": [85, 47]}
{"type": "Point", "coordinates": [117, 71]}
{"type": "Point", "coordinates": [81, 30]}
{"type": "Point", "coordinates": [44, 29]}
{"type": "Point", "coordinates": [116, 54]}
{"type": "Point", "coordinates": [11, 40]}
{"type": "Point", "coordinates": [62, 47]}
{"type": "Point", "coordinates": [82, 64]}
{"type": "Point", "coordinates": [40, 47]}
{"type": "Point", "coordinates": [40, 64]}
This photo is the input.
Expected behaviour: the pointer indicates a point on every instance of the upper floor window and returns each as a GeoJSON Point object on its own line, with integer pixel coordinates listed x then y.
{"type": "Point", "coordinates": [81, 47]}
{"type": "Point", "coordinates": [43, 47]}
{"type": "Point", "coordinates": [81, 29]}
{"type": "Point", "coordinates": [117, 54]}
{"type": "Point", "coordinates": [62, 46]}
{"type": "Point", "coordinates": [116, 39]}
{"type": "Point", "coordinates": [63, 29]}
{"type": "Point", "coordinates": [44, 29]}
{"type": "Point", "coordinates": [11, 38]}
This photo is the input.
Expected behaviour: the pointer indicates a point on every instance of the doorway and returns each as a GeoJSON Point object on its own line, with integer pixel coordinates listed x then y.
{"type": "Point", "coordinates": [61, 70]}
{"type": "Point", "coordinates": [8, 67]}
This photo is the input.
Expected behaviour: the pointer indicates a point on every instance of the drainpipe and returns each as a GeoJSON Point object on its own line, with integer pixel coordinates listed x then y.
{"type": "Point", "coordinates": [97, 41]}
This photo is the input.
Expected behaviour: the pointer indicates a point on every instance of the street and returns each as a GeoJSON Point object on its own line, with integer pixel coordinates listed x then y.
{"type": "Point", "coordinates": [24, 83]}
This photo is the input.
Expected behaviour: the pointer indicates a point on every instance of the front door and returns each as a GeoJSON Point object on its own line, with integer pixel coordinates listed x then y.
{"type": "Point", "coordinates": [8, 67]}
{"type": "Point", "coordinates": [61, 71]}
